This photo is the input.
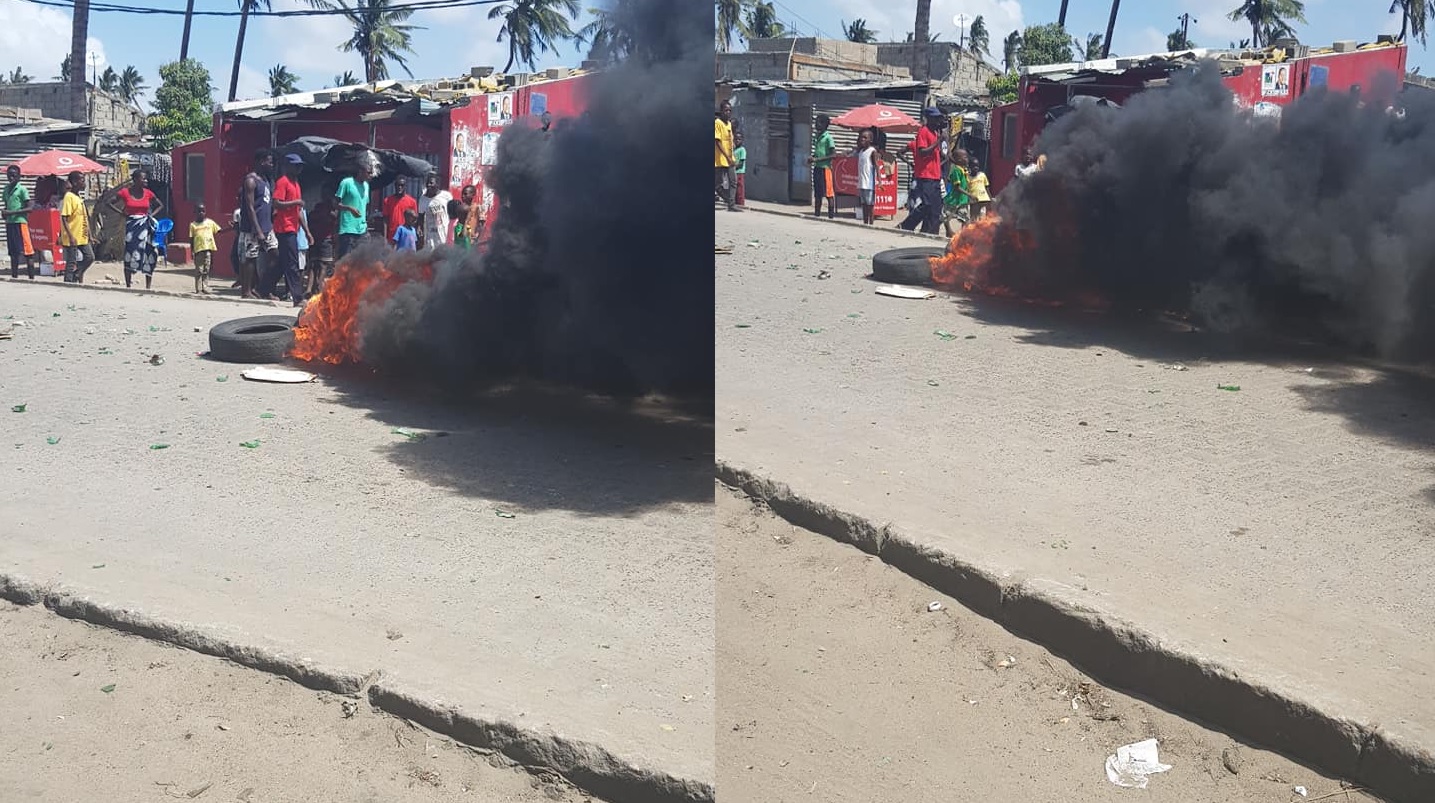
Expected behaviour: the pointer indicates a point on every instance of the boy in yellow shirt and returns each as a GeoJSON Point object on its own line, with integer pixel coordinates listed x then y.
{"type": "Point", "coordinates": [75, 231]}
{"type": "Point", "coordinates": [201, 239]}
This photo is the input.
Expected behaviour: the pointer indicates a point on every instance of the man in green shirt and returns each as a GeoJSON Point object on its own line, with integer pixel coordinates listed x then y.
{"type": "Point", "coordinates": [353, 203]}
{"type": "Point", "coordinates": [17, 229]}
{"type": "Point", "coordinates": [956, 204]}
{"type": "Point", "coordinates": [823, 148]}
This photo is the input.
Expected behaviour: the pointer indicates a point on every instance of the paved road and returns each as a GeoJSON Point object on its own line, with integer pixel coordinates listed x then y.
{"type": "Point", "coordinates": [836, 683]}
{"type": "Point", "coordinates": [588, 613]}
{"type": "Point", "coordinates": [1281, 530]}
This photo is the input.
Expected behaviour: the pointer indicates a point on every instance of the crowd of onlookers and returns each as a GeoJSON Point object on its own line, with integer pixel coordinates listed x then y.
{"type": "Point", "coordinates": [278, 237]}
{"type": "Point", "coordinates": [949, 187]}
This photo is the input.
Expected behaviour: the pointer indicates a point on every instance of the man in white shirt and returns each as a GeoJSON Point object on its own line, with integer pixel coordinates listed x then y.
{"type": "Point", "coordinates": [434, 228]}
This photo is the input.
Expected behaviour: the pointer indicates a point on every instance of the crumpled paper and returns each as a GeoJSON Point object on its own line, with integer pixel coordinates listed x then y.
{"type": "Point", "coordinates": [1134, 763]}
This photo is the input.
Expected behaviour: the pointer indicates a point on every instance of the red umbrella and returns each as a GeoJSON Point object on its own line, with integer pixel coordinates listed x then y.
{"type": "Point", "coordinates": [57, 163]}
{"type": "Point", "coordinates": [885, 118]}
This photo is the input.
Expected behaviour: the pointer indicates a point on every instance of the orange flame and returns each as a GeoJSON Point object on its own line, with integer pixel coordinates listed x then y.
{"type": "Point", "coordinates": [971, 256]}
{"type": "Point", "coordinates": [328, 329]}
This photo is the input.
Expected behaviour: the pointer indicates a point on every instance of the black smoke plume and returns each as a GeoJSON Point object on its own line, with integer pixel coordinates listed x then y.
{"type": "Point", "coordinates": [1320, 224]}
{"type": "Point", "coordinates": [595, 274]}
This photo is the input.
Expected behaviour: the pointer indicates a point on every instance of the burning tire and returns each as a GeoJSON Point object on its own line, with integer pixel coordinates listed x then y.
{"type": "Point", "coordinates": [256, 340]}
{"type": "Point", "coordinates": [905, 265]}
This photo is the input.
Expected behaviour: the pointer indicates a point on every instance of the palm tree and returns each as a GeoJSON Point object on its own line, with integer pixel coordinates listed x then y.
{"type": "Point", "coordinates": [18, 76]}
{"type": "Point", "coordinates": [381, 33]}
{"type": "Point", "coordinates": [533, 26]}
{"type": "Point", "coordinates": [762, 21]}
{"type": "Point", "coordinates": [64, 76]}
{"type": "Point", "coordinates": [1110, 29]}
{"type": "Point", "coordinates": [609, 36]}
{"type": "Point", "coordinates": [1011, 46]}
{"type": "Point", "coordinates": [921, 30]}
{"type": "Point", "coordinates": [1179, 40]}
{"type": "Point", "coordinates": [347, 79]}
{"type": "Point", "coordinates": [281, 81]}
{"type": "Point", "coordinates": [1413, 15]}
{"type": "Point", "coordinates": [110, 81]}
{"type": "Point", "coordinates": [245, 7]}
{"type": "Point", "coordinates": [131, 84]}
{"type": "Point", "coordinates": [731, 22]}
{"type": "Point", "coordinates": [184, 38]}
{"type": "Point", "coordinates": [857, 31]}
{"type": "Point", "coordinates": [1091, 50]}
{"type": "Point", "coordinates": [1269, 19]}
{"type": "Point", "coordinates": [980, 37]}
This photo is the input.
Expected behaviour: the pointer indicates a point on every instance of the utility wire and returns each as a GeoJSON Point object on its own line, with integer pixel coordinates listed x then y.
{"type": "Point", "coordinates": [420, 5]}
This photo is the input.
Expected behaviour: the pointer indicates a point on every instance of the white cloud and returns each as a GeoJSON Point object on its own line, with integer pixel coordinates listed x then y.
{"type": "Point", "coordinates": [308, 46]}
{"type": "Point", "coordinates": [252, 83]}
{"type": "Point", "coordinates": [1146, 40]}
{"type": "Point", "coordinates": [23, 24]}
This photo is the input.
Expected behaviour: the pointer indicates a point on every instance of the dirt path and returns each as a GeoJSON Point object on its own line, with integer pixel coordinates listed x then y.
{"type": "Point", "coordinates": [92, 714]}
{"type": "Point", "coordinates": [835, 683]}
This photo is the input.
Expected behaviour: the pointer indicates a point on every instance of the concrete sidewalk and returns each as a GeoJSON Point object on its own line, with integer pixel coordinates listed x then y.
{"type": "Point", "coordinates": [530, 573]}
{"type": "Point", "coordinates": [1253, 558]}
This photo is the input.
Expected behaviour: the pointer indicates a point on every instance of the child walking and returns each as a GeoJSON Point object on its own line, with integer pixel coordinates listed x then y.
{"type": "Point", "coordinates": [739, 158]}
{"type": "Point", "coordinates": [201, 239]}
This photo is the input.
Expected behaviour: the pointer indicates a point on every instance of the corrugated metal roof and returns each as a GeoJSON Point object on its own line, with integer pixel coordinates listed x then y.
{"type": "Point", "coordinates": [40, 128]}
{"type": "Point", "coordinates": [823, 86]}
{"type": "Point", "coordinates": [433, 94]}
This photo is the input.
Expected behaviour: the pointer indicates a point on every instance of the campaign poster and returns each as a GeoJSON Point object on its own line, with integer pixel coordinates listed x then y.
{"type": "Point", "coordinates": [1275, 81]}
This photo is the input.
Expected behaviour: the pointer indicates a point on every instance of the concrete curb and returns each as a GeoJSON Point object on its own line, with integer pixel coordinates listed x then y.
{"type": "Point", "coordinates": [1127, 656]}
{"type": "Point", "coordinates": [857, 223]}
{"type": "Point", "coordinates": [142, 292]}
{"type": "Point", "coordinates": [587, 766]}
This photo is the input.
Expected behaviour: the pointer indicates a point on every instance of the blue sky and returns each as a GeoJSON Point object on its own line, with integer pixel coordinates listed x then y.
{"type": "Point", "coordinates": [37, 38]}
{"type": "Point", "coordinates": [1141, 27]}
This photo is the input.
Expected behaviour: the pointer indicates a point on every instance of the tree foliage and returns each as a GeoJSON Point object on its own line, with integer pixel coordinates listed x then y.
{"type": "Point", "coordinates": [1269, 19]}
{"type": "Point", "coordinates": [18, 76]}
{"type": "Point", "coordinates": [979, 37]}
{"type": "Point", "coordinates": [857, 31]}
{"type": "Point", "coordinates": [1045, 44]}
{"type": "Point", "coordinates": [1413, 16]}
{"type": "Point", "coordinates": [131, 84]}
{"type": "Point", "coordinates": [731, 22]}
{"type": "Point", "coordinates": [1178, 40]}
{"type": "Point", "coordinates": [1011, 51]}
{"type": "Point", "coordinates": [346, 79]}
{"type": "Point", "coordinates": [532, 27]}
{"type": "Point", "coordinates": [281, 81]}
{"type": "Point", "coordinates": [183, 104]}
{"type": "Point", "coordinates": [762, 21]}
{"type": "Point", "coordinates": [1003, 87]}
{"type": "Point", "coordinates": [1092, 49]}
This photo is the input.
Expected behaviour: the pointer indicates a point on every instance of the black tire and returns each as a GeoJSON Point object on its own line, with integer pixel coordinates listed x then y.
{"type": "Point", "coordinates": [905, 265]}
{"type": "Point", "coordinates": [256, 341]}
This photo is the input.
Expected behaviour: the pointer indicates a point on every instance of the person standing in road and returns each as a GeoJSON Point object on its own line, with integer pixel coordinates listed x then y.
{"type": "Point", "coordinates": [979, 189]}
{"type": "Point", "coordinates": [955, 205]}
{"type": "Point", "coordinates": [287, 221]}
{"type": "Point", "coordinates": [433, 213]}
{"type": "Point", "coordinates": [405, 238]}
{"type": "Point", "coordinates": [75, 231]}
{"type": "Point", "coordinates": [739, 169]}
{"type": "Point", "coordinates": [396, 205]}
{"type": "Point", "coordinates": [258, 247]}
{"type": "Point", "coordinates": [17, 228]}
{"type": "Point", "coordinates": [322, 228]}
{"type": "Point", "coordinates": [201, 238]}
{"type": "Point", "coordinates": [924, 153]}
{"type": "Point", "coordinates": [353, 202]}
{"type": "Point", "coordinates": [823, 149]}
{"type": "Point", "coordinates": [140, 207]}
{"type": "Point", "coordinates": [723, 176]}
{"type": "Point", "coordinates": [869, 170]}
{"type": "Point", "coordinates": [461, 212]}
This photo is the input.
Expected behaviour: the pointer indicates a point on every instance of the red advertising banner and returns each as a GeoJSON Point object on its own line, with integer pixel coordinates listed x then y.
{"type": "Point", "coordinates": [45, 236]}
{"type": "Point", "coordinates": [844, 176]}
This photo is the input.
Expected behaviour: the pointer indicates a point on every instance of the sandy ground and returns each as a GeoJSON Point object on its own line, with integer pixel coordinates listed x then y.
{"type": "Point", "coordinates": [93, 714]}
{"type": "Point", "coordinates": [542, 560]}
{"type": "Point", "coordinates": [836, 684]}
{"type": "Point", "coordinates": [1280, 530]}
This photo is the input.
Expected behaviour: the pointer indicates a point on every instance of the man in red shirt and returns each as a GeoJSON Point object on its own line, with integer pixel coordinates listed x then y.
{"type": "Point", "coordinates": [288, 204]}
{"type": "Point", "coordinates": [925, 156]}
{"type": "Point", "coordinates": [395, 206]}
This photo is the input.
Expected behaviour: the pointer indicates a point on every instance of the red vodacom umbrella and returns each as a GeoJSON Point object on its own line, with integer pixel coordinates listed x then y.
{"type": "Point", "coordinates": [57, 163]}
{"type": "Point", "coordinates": [884, 117]}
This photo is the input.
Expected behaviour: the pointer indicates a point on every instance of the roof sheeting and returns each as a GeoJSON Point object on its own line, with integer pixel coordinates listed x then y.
{"type": "Point", "coordinates": [824, 86]}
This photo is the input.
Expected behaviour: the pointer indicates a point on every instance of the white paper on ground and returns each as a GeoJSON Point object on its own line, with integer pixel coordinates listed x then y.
{"type": "Point", "coordinates": [284, 375]}
{"type": "Point", "coordinates": [1133, 763]}
{"type": "Point", "coordinates": [897, 291]}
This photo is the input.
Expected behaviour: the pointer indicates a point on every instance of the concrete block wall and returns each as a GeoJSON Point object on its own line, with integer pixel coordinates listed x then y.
{"type": "Point", "coordinates": [53, 99]}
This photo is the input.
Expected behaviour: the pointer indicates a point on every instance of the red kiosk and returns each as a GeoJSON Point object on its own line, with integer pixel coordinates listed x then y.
{"type": "Point", "coordinates": [844, 168]}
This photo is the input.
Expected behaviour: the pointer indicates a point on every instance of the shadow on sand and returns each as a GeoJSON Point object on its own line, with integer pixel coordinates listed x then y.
{"type": "Point", "coordinates": [532, 447]}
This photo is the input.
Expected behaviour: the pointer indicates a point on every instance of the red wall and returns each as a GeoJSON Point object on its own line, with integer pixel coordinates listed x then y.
{"type": "Point", "coordinates": [1344, 70]}
{"type": "Point", "coordinates": [230, 152]}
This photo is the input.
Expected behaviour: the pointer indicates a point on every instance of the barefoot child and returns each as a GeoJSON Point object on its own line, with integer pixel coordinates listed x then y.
{"type": "Point", "coordinates": [869, 169]}
{"type": "Point", "coordinates": [201, 239]}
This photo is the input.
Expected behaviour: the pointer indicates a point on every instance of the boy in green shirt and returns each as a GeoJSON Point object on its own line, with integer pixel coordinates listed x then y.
{"type": "Point", "coordinates": [823, 149]}
{"type": "Point", "coordinates": [739, 159]}
{"type": "Point", "coordinates": [17, 227]}
{"type": "Point", "coordinates": [955, 204]}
